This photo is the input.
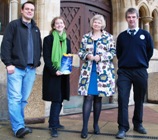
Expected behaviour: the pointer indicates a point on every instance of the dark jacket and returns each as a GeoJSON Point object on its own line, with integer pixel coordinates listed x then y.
{"type": "Point", "coordinates": [15, 41]}
{"type": "Point", "coordinates": [55, 88]}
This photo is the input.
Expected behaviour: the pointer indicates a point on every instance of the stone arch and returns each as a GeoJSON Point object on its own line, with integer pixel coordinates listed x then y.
{"type": "Point", "coordinates": [145, 17]}
{"type": "Point", "coordinates": [144, 9]}
{"type": "Point", "coordinates": [155, 13]}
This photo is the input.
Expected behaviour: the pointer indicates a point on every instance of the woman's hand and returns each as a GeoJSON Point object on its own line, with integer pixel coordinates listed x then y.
{"type": "Point", "coordinates": [97, 58]}
{"type": "Point", "coordinates": [90, 57]}
{"type": "Point", "coordinates": [58, 73]}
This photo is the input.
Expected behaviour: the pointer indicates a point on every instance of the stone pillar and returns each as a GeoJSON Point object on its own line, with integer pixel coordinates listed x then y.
{"type": "Point", "coordinates": [13, 9]}
{"type": "Point", "coordinates": [123, 23]}
{"type": "Point", "coordinates": [155, 31]}
{"type": "Point", "coordinates": [46, 10]}
{"type": "Point", "coordinates": [39, 14]}
{"type": "Point", "coordinates": [146, 20]}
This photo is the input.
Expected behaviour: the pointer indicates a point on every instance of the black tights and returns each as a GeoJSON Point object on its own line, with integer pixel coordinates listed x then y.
{"type": "Point", "coordinates": [86, 109]}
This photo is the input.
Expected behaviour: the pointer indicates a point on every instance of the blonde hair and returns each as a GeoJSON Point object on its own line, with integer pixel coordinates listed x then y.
{"type": "Point", "coordinates": [98, 17]}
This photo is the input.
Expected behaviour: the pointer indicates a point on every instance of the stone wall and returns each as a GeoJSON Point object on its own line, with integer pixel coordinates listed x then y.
{"type": "Point", "coordinates": [152, 95]}
{"type": "Point", "coordinates": [35, 110]}
{"type": "Point", "coordinates": [3, 94]}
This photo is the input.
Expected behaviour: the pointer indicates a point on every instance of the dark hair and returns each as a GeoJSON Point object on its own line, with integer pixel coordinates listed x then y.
{"type": "Point", "coordinates": [28, 2]}
{"type": "Point", "coordinates": [53, 23]}
{"type": "Point", "coordinates": [132, 11]}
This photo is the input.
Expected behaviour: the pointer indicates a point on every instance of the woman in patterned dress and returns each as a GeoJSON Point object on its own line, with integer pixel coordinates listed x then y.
{"type": "Point", "coordinates": [97, 77]}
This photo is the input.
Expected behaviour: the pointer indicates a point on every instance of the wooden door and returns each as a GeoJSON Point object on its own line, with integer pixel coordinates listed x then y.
{"type": "Point", "coordinates": [4, 15]}
{"type": "Point", "coordinates": [77, 14]}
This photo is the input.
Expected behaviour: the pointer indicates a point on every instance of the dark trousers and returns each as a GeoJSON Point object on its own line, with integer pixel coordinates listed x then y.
{"type": "Point", "coordinates": [126, 78]}
{"type": "Point", "coordinates": [54, 114]}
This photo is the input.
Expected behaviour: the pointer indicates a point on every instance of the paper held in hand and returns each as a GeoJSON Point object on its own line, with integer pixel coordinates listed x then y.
{"type": "Point", "coordinates": [67, 61]}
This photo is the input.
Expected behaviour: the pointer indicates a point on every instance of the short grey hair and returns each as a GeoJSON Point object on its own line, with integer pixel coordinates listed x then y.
{"type": "Point", "coordinates": [98, 17]}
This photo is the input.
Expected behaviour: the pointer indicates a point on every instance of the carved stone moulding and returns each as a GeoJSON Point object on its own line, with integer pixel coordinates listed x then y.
{"type": "Point", "coordinates": [148, 1]}
{"type": "Point", "coordinates": [147, 19]}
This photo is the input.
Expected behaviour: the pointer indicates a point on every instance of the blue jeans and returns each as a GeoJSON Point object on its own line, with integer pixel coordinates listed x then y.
{"type": "Point", "coordinates": [19, 87]}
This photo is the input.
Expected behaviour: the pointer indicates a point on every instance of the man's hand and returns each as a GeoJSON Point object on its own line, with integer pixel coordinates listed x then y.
{"type": "Point", "coordinates": [10, 69]}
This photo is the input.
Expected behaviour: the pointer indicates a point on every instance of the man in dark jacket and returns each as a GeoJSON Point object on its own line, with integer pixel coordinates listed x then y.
{"type": "Point", "coordinates": [21, 52]}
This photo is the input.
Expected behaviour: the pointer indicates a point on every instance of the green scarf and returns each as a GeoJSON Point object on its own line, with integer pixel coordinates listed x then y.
{"type": "Point", "coordinates": [58, 49]}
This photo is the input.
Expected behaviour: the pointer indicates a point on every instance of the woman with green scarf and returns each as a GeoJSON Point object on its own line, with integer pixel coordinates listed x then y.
{"type": "Point", "coordinates": [56, 86]}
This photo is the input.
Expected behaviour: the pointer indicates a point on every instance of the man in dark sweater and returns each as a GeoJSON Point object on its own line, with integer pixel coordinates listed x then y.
{"type": "Point", "coordinates": [134, 49]}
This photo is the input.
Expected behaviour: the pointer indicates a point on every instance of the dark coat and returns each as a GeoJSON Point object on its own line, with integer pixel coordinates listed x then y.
{"type": "Point", "coordinates": [14, 45]}
{"type": "Point", "coordinates": [55, 88]}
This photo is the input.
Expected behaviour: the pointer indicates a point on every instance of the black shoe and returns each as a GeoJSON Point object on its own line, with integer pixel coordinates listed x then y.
{"type": "Point", "coordinates": [54, 132]}
{"type": "Point", "coordinates": [57, 127]}
{"type": "Point", "coordinates": [22, 132]}
{"type": "Point", "coordinates": [29, 129]}
{"type": "Point", "coordinates": [120, 134]}
{"type": "Point", "coordinates": [140, 130]}
{"type": "Point", "coordinates": [60, 126]}
{"type": "Point", "coordinates": [84, 134]}
{"type": "Point", "coordinates": [96, 130]}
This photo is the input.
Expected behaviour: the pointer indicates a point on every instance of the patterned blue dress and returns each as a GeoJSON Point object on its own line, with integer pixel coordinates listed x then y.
{"type": "Point", "coordinates": [93, 88]}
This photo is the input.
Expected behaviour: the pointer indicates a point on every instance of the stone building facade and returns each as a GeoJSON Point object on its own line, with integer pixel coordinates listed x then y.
{"type": "Point", "coordinates": [46, 10]}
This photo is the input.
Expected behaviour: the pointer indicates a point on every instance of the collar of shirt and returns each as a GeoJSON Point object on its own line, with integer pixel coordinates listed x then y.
{"type": "Point", "coordinates": [28, 24]}
{"type": "Point", "coordinates": [136, 30]}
